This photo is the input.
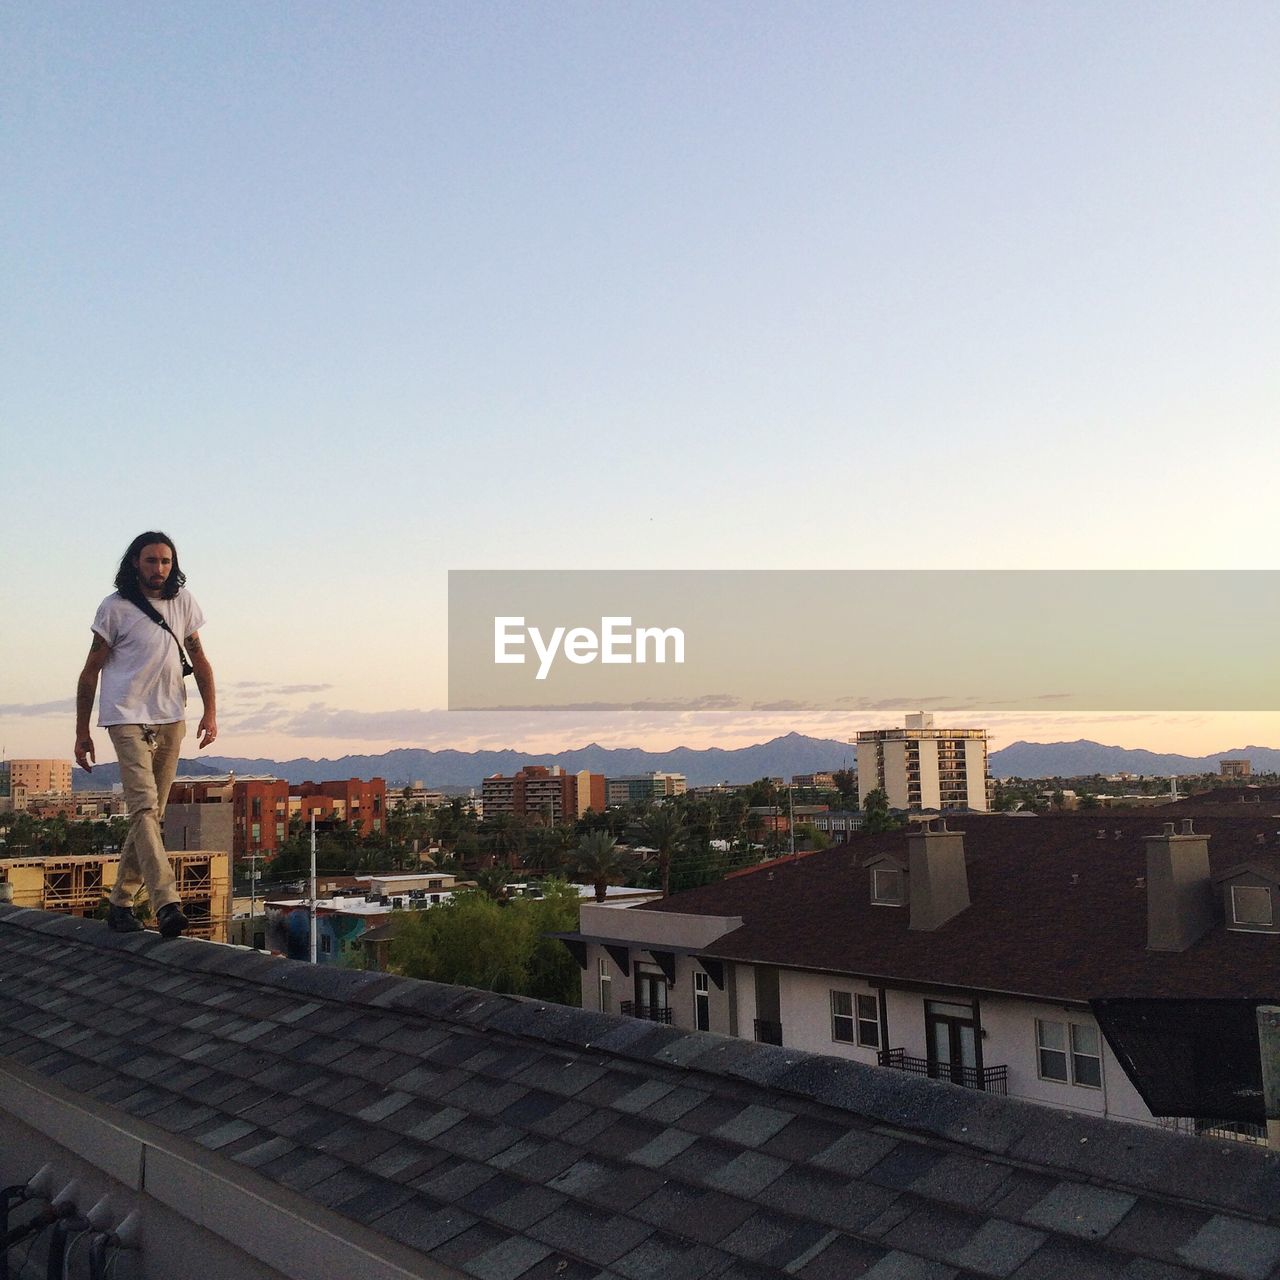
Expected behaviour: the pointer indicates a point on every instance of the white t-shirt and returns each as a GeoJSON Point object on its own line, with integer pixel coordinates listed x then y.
{"type": "Point", "coordinates": [142, 678]}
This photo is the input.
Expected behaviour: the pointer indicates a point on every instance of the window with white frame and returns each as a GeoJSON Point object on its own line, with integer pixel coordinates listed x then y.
{"type": "Point", "coordinates": [606, 987]}
{"type": "Point", "coordinates": [842, 1020]}
{"type": "Point", "coordinates": [868, 1022]}
{"type": "Point", "coordinates": [1251, 904]}
{"type": "Point", "coordinates": [1086, 1056]}
{"type": "Point", "coordinates": [1069, 1052]}
{"type": "Point", "coordinates": [701, 1000]}
{"type": "Point", "coordinates": [886, 886]}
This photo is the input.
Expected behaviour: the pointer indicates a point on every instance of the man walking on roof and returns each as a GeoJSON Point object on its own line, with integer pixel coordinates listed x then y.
{"type": "Point", "coordinates": [143, 664]}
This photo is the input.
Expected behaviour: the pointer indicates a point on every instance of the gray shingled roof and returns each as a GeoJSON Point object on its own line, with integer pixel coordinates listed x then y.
{"type": "Point", "coordinates": [512, 1140]}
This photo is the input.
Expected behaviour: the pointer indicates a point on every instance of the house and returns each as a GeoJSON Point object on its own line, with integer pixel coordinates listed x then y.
{"type": "Point", "coordinates": [972, 955]}
{"type": "Point", "coordinates": [179, 1108]}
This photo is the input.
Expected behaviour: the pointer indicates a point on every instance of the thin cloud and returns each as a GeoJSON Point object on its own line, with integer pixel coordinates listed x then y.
{"type": "Point", "coordinates": [58, 707]}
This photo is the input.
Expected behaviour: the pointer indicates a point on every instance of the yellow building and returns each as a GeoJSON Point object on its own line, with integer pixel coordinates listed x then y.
{"type": "Point", "coordinates": [77, 885]}
{"type": "Point", "coordinates": [41, 776]}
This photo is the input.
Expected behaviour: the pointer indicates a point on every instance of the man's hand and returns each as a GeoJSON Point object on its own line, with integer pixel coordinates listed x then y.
{"type": "Point", "coordinates": [86, 688]}
{"type": "Point", "coordinates": [208, 727]}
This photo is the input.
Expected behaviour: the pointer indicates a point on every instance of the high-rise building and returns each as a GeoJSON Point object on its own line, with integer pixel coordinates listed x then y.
{"type": "Point", "coordinates": [923, 767]}
{"type": "Point", "coordinates": [41, 777]}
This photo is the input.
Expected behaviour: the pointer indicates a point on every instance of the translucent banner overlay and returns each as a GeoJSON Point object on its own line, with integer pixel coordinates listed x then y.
{"type": "Point", "coordinates": [1089, 640]}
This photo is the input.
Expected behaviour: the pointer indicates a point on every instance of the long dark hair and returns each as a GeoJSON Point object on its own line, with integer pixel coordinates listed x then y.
{"type": "Point", "coordinates": [127, 574]}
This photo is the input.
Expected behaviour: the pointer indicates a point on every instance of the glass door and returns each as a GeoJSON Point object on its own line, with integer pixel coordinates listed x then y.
{"type": "Point", "coordinates": [953, 1043]}
{"type": "Point", "coordinates": [651, 994]}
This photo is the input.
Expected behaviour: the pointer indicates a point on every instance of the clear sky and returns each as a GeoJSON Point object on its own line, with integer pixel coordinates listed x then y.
{"type": "Point", "coordinates": [346, 295]}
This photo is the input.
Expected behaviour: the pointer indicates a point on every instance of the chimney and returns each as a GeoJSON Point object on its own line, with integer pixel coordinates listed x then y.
{"type": "Point", "coordinates": [1179, 888]}
{"type": "Point", "coordinates": [939, 882]}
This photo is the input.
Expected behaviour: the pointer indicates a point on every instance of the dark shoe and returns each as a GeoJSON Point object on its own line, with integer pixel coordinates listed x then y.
{"type": "Point", "coordinates": [122, 920]}
{"type": "Point", "coordinates": [171, 921]}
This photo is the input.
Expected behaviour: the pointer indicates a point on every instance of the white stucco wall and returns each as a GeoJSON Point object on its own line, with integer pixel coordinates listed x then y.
{"type": "Point", "coordinates": [1009, 1040]}
{"type": "Point", "coordinates": [930, 785]}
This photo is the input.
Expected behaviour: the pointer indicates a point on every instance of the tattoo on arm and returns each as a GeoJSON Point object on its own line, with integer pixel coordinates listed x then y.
{"type": "Point", "coordinates": [86, 687]}
{"type": "Point", "coordinates": [98, 644]}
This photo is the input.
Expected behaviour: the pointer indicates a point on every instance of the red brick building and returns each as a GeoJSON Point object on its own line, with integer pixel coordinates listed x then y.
{"type": "Point", "coordinates": [352, 800]}
{"type": "Point", "coordinates": [547, 792]}
{"type": "Point", "coordinates": [261, 809]}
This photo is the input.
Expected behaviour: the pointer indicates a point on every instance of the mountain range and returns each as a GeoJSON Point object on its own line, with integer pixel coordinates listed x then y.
{"type": "Point", "coordinates": [779, 758]}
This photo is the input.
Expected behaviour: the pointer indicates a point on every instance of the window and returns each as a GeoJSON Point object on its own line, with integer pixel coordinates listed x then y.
{"type": "Point", "coordinates": [1086, 1056]}
{"type": "Point", "coordinates": [1051, 1044]}
{"type": "Point", "coordinates": [842, 1019]}
{"type": "Point", "coordinates": [326, 944]}
{"type": "Point", "coordinates": [868, 1022]}
{"type": "Point", "coordinates": [886, 886]}
{"type": "Point", "coordinates": [1070, 1052]}
{"type": "Point", "coordinates": [606, 987]}
{"type": "Point", "coordinates": [1251, 904]}
{"type": "Point", "coordinates": [701, 1001]}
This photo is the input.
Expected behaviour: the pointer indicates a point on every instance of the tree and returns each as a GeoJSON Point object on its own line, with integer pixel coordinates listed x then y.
{"type": "Point", "coordinates": [599, 862]}
{"type": "Point", "coordinates": [505, 835]}
{"type": "Point", "coordinates": [476, 942]}
{"type": "Point", "coordinates": [846, 781]}
{"type": "Point", "coordinates": [879, 818]}
{"type": "Point", "coordinates": [492, 882]}
{"type": "Point", "coordinates": [664, 832]}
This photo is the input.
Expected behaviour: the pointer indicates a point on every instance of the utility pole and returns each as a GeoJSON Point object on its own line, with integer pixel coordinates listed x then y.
{"type": "Point", "coordinates": [253, 895]}
{"type": "Point", "coordinates": [313, 886]}
{"type": "Point", "coordinates": [791, 802]}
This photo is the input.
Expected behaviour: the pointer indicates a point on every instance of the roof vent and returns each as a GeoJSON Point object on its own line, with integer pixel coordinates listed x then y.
{"type": "Point", "coordinates": [1118, 833]}
{"type": "Point", "coordinates": [1188, 827]}
{"type": "Point", "coordinates": [1102, 833]}
{"type": "Point", "coordinates": [1075, 877]}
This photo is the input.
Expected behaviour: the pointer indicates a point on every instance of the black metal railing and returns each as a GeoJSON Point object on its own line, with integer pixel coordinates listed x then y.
{"type": "Point", "coordinates": [650, 1012]}
{"type": "Point", "coordinates": [989, 1079]}
{"type": "Point", "coordinates": [768, 1032]}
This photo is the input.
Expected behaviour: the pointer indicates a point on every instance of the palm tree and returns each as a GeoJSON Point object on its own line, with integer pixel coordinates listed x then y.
{"type": "Point", "coordinates": [492, 881]}
{"type": "Point", "coordinates": [663, 831]}
{"type": "Point", "coordinates": [599, 862]}
{"type": "Point", "coordinates": [505, 834]}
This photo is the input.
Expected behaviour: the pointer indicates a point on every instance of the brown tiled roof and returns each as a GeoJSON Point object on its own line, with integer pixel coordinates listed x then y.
{"type": "Point", "coordinates": [1058, 911]}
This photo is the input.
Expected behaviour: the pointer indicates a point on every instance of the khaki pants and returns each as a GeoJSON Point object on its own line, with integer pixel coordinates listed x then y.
{"type": "Point", "coordinates": [148, 755]}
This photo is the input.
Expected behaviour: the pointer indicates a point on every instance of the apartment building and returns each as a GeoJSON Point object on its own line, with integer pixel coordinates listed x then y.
{"type": "Point", "coordinates": [922, 767]}
{"type": "Point", "coordinates": [545, 792]}
{"type": "Point", "coordinates": [977, 957]}
{"type": "Point", "coordinates": [644, 788]}
{"type": "Point", "coordinates": [37, 777]}
{"type": "Point", "coordinates": [251, 815]}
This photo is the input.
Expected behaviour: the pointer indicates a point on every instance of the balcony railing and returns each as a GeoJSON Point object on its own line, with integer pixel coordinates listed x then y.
{"type": "Point", "coordinates": [650, 1012]}
{"type": "Point", "coordinates": [989, 1079]}
{"type": "Point", "coordinates": [768, 1032]}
